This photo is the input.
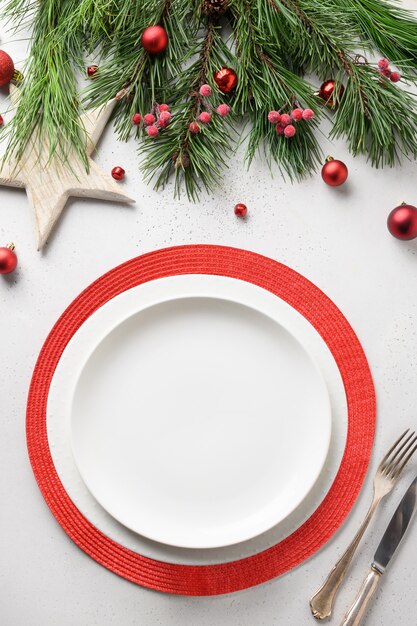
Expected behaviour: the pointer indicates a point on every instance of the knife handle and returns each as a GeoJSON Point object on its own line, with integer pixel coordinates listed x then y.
{"type": "Point", "coordinates": [358, 609]}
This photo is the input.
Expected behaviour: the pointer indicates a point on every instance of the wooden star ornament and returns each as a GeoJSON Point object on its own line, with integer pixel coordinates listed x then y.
{"type": "Point", "coordinates": [49, 182]}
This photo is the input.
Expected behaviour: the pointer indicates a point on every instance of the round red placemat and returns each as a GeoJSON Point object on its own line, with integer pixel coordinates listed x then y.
{"type": "Point", "coordinates": [326, 318]}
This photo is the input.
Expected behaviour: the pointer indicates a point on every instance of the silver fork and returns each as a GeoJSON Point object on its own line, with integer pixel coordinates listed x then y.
{"type": "Point", "coordinates": [386, 476]}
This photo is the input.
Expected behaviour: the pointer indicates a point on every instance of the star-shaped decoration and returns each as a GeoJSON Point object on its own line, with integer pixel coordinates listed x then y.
{"type": "Point", "coordinates": [50, 182]}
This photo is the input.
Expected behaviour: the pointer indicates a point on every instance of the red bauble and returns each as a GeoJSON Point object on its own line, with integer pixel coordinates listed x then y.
{"type": "Point", "coordinates": [241, 210]}
{"type": "Point", "coordinates": [118, 172]}
{"type": "Point", "coordinates": [91, 70]}
{"type": "Point", "coordinates": [8, 259]}
{"type": "Point", "coordinates": [1, 120]}
{"type": "Point", "coordinates": [6, 68]}
{"type": "Point", "coordinates": [402, 222]}
{"type": "Point", "coordinates": [155, 39]}
{"type": "Point", "coordinates": [334, 172]}
{"type": "Point", "coordinates": [225, 79]}
{"type": "Point", "coordinates": [327, 93]}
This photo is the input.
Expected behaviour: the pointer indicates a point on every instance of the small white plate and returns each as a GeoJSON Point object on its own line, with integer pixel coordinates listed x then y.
{"type": "Point", "coordinates": [197, 420]}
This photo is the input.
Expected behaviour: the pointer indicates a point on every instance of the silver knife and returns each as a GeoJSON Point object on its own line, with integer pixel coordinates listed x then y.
{"type": "Point", "coordinates": [385, 551]}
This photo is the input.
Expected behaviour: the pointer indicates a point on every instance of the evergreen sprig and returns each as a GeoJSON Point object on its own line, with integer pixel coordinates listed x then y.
{"type": "Point", "coordinates": [272, 45]}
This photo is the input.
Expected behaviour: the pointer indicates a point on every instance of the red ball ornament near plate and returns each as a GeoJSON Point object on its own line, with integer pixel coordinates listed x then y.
{"type": "Point", "coordinates": [334, 172]}
{"type": "Point", "coordinates": [8, 259]}
{"type": "Point", "coordinates": [118, 173]}
{"type": "Point", "coordinates": [225, 79]}
{"type": "Point", "coordinates": [6, 68]}
{"type": "Point", "coordinates": [155, 39]}
{"type": "Point", "coordinates": [327, 92]}
{"type": "Point", "coordinates": [402, 222]}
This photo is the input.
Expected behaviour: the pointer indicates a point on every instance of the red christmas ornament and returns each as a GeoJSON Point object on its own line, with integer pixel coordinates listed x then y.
{"type": "Point", "coordinates": [225, 79]}
{"type": "Point", "coordinates": [91, 70]}
{"type": "Point", "coordinates": [327, 92]}
{"type": "Point", "coordinates": [118, 172]}
{"type": "Point", "coordinates": [334, 172]}
{"type": "Point", "coordinates": [6, 68]}
{"type": "Point", "coordinates": [1, 120]}
{"type": "Point", "coordinates": [155, 39]}
{"type": "Point", "coordinates": [8, 259]}
{"type": "Point", "coordinates": [241, 210]}
{"type": "Point", "coordinates": [402, 222]}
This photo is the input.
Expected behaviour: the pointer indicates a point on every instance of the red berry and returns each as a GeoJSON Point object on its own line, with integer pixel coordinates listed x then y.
{"type": "Point", "coordinates": [118, 173]}
{"type": "Point", "coordinates": [297, 115]}
{"type": "Point", "coordinates": [1, 120]}
{"type": "Point", "coordinates": [308, 114]}
{"type": "Point", "coordinates": [164, 107]}
{"type": "Point", "coordinates": [383, 64]}
{"type": "Point", "coordinates": [149, 119]}
{"type": "Point", "coordinates": [289, 131]}
{"type": "Point", "coordinates": [136, 118]}
{"type": "Point", "coordinates": [395, 77]}
{"type": "Point", "coordinates": [386, 73]}
{"type": "Point", "coordinates": [274, 117]}
{"type": "Point", "coordinates": [205, 90]}
{"type": "Point", "coordinates": [241, 210]}
{"type": "Point", "coordinates": [164, 119]}
{"type": "Point", "coordinates": [223, 110]}
{"type": "Point", "coordinates": [285, 119]}
{"type": "Point", "coordinates": [279, 128]}
{"type": "Point", "coordinates": [152, 131]}
{"type": "Point", "coordinates": [194, 128]}
{"type": "Point", "coordinates": [6, 68]}
{"type": "Point", "coordinates": [204, 117]}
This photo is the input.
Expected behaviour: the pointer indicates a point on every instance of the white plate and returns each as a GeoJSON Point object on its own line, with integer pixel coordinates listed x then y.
{"type": "Point", "coordinates": [197, 421]}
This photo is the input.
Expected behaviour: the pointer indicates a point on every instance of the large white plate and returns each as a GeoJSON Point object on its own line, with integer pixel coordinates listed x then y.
{"type": "Point", "coordinates": [197, 421]}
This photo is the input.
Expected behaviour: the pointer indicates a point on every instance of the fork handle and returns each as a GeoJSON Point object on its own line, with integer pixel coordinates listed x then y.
{"type": "Point", "coordinates": [321, 603]}
{"type": "Point", "coordinates": [358, 609]}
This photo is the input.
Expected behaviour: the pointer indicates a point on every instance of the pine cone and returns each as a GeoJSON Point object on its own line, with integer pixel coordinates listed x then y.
{"type": "Point", "coordinates": [214, 7]}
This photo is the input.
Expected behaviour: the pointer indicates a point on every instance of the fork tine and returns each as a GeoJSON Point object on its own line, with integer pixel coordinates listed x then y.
{"type": "Point", "coordinates": [388, 454]}
{"type": "Point", "coordinates": [404, 463]}
{"type": "Point", "coordinates": [400, 454]}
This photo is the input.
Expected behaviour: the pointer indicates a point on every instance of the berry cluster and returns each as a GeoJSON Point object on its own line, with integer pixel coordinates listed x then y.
{"type": "Point", "coordinates": [205, 116]}
{"type": "Point", "coordinates": [157, 119]}
{"type": "Point", "coordinates": [384, 68]}
{"type": "Point", "coordinates": [284, 122]}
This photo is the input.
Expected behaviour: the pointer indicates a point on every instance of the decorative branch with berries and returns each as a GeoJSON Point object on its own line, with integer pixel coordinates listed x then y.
{"type": "Point", "coordinates": [185, 72]}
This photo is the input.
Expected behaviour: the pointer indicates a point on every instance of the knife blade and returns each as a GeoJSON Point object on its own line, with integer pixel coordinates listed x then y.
{"type": "Point", "coordinates": [388, 545]}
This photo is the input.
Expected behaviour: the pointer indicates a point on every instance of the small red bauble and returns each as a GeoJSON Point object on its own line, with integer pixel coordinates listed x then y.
{"type": "Point", "coordinates": [8, 259]}
{"type": "Point", "coordinates": [402, 222]}
{"type": "Point", "coordinates": [155, 39]}
{"type": "Point", "coordinates": [334, 172]}
{"type": "Point", "coordinates": [91, 70]}
{"type": "Point", "coordinates": [6, 68]}
{"type": "Point", "coordinates": [327, 92]}
{"type": "Point", "coordinates": [118, 172]}
{"type": "Point", "coordinates": [241, 210]}
{"type": "Point", "coordinates": [1, 120]}
{"type": "Point", "coordinates": [225, 79]}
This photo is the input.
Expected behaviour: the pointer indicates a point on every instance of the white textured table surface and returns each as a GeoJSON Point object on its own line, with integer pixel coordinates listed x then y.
{"type": "Point", "coordinates": [335, 237]}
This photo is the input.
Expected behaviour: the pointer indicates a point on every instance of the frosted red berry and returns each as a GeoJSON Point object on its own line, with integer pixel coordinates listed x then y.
{"type": "Point", "coordinates": [223, 110]}
{"type": "Point", "coordinates": [289, 131]}
{"type": "Point", "coordinates": [241, 210]}
{"type": "Point", "coordinates": [383, 64]}
{"type": "Point", "coordinates": [164, 119]}
{"type": "Point", "coordinates": [149, 119]}
{"type": "Point", "coordinates": [274, 117]}
{"type": "Point", "coordinates": [205, 90]}
{"type": "Point", "coordinates": [164, 107]}
{"type": "Point", "coordinates": [136, 119]}
{"type": "Point", "coordinates": [395, 77]}
{"type": "Point", "coordinates": [118, 172]}
{"type": "Point", "coordinates": [204, 117]}
{"type": "Point", "coordinates": [194, 128]}
{"type": "Point", "coordinates": [279, 128]}
{"type": "Point", "coordinates": [285, 119]}
{"type": "Point", "coordinates": [152, 131]}
{"type": "Point", "coordinates": [386, 72]}
{"type": "Point", "coordinates": [297, 114]}
{"type": "Point", "coordinates": [308, 114]}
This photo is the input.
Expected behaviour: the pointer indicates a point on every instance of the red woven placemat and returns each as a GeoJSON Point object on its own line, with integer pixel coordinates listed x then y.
{"type": "Point", "coordinates": [316, 307]}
